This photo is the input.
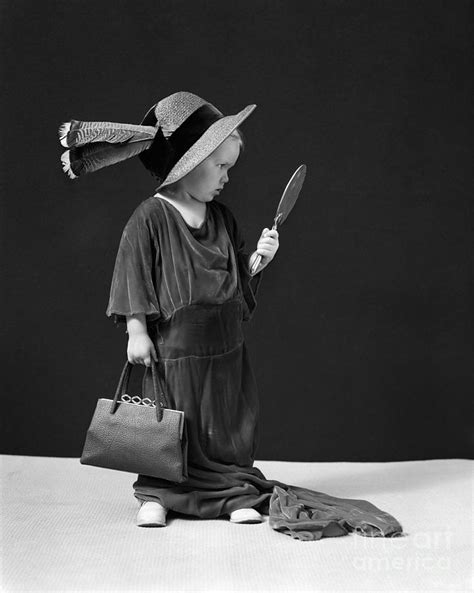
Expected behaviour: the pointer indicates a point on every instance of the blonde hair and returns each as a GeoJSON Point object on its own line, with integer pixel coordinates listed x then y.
{"type": "Point", "coordinates": [240, 137]}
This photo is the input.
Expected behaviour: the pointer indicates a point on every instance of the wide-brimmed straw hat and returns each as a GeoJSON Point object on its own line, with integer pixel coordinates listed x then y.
{"type": "Point", "coordinates": [175, 136]}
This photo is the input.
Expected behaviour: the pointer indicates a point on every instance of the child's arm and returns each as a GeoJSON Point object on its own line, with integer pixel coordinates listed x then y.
{"type": "Point", "coordinates": [140, 348]}
{"type": "Point", "coordinates": [133, 289]}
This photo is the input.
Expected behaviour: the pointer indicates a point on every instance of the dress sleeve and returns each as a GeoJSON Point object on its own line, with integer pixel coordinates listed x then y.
{"type": "Point", "coordinates": [134, 281]}
{"type": "Point", "coordinates": [250, 284]}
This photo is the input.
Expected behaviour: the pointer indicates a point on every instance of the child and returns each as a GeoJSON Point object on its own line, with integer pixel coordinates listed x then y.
{"type": "Point", "coordinates": [183, 286]}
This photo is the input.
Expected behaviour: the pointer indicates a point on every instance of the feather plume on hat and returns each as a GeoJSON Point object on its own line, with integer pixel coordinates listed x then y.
{"type": "Point", "coordinates": [94, 145]}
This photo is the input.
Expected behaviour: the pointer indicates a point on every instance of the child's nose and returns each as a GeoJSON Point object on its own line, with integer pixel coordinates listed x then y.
{"type": "Point", "coordinates": [225, 178]}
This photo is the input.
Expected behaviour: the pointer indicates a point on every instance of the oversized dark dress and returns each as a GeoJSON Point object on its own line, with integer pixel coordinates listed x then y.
{"type": "Point", "coordinates": [195, 289]}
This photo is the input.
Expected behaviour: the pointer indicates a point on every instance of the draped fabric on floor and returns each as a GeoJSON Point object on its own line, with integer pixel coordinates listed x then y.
{"type": "Point", "coordinates": [194, 286]}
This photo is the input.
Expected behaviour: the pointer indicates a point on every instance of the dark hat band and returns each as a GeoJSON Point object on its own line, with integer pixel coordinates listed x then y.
{"type": "Point", "coordinates": [164, 153]}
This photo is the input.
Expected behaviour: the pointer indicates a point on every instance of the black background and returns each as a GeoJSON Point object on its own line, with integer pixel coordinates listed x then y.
{"type": "Point", "coordinates": [362, 339]}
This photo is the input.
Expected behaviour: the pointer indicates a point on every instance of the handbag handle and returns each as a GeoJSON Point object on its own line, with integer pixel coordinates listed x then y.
{"type": "Point", "coordinates": [161, 400]}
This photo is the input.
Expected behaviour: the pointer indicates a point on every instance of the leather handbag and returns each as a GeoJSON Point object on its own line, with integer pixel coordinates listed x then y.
{"type": "Point", "coordinates": [138, 435]}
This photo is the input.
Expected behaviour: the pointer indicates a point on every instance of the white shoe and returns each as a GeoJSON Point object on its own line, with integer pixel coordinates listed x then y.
{"type": "Point", "coordinates": [151, 514]}
{"type": "Point", "coordinates": [246, 516]}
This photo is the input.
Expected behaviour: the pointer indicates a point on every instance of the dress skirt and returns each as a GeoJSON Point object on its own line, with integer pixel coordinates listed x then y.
{"type": "Point", "coordinates": [204, 360]}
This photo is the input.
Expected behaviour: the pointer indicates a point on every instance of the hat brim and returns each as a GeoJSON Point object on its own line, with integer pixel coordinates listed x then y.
{"type": "Point", "coordinates": [212, 138]}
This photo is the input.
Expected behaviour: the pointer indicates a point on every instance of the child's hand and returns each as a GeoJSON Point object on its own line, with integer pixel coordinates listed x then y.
{"type": "Point", "coordinates": [268, 245]}
{"type": "Point", "coordinates": [140, 349]}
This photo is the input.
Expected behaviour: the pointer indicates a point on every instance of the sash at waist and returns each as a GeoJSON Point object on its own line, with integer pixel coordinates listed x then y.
{"type": "Point", "coordinates": [199, 330]}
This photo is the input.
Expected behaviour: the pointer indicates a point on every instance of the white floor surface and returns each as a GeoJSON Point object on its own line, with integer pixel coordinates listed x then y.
{"type": "Point", "coordinates": [68, 527]}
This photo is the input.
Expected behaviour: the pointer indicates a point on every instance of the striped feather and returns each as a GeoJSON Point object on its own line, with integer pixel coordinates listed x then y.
{"type": "Point", "coordinates": [76, 133]}
{"type": "Point", "coordinates": [92, 157]}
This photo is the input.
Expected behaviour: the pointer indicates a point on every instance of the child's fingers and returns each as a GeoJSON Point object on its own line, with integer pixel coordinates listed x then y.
{"type": "Point", "coordinates": [268, 241]}
{"type": "Point", "coordinates": [271, 245]}
{"type": "Point", "coordinates": [266, 250]}
{"type": "Point", "coordinates": [270, 233]}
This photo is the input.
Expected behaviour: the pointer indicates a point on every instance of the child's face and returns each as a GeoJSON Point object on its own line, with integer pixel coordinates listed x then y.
{"type": "Point", "coordinates": [206, 180]}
